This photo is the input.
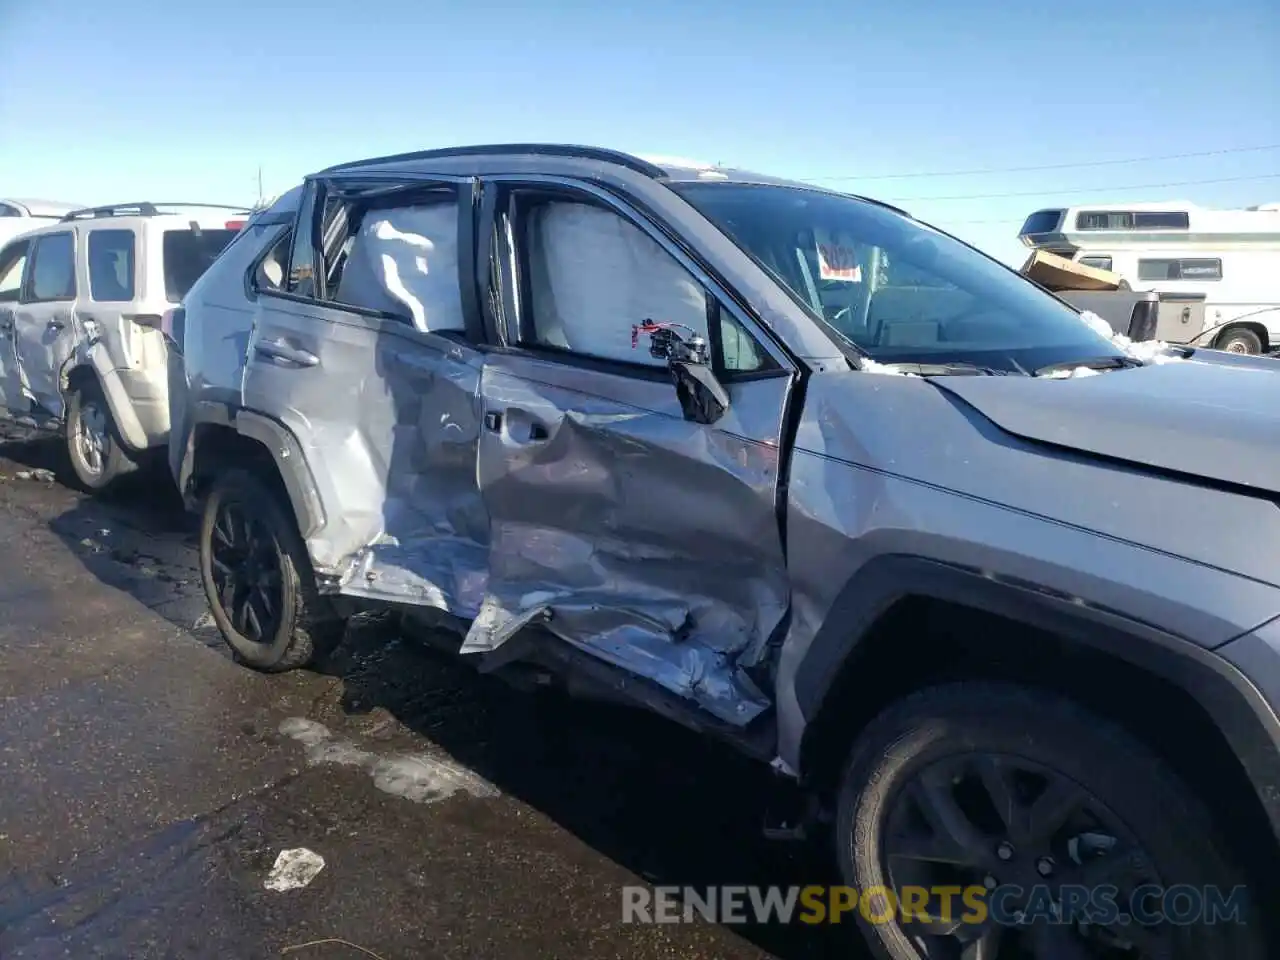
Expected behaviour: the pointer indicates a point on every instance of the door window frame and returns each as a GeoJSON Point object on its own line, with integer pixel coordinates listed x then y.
{"type": "Point", "coordinates": [29, 273]}
{"type": "Point", "coordinates": [23, 243]}
{"type": "Point", "coordinates": [377, 189]}
{"type": "Point", "coordinates": [505, 301]}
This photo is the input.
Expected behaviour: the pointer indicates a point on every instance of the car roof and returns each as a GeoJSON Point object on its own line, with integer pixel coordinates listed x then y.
{"type": "Point", "coordinates": [40, 208]}
{"type": "Point", "coordinates": [207, 215]}
{"type": "Point", "coordinates": [570, 160]}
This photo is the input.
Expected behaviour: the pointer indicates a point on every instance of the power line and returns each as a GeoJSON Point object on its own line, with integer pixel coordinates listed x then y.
{"type": "Point", "coordinates": [1056, 166]}
{"type": "Point", "coordinates": [1043, 192]}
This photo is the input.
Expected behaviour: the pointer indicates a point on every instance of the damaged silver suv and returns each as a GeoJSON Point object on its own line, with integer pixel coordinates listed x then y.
{"type": "Point", "coordinates": [998, 593]}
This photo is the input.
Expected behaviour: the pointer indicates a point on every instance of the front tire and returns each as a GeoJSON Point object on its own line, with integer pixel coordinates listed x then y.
{"type": "Point", "coordinates": [995, 787]}
{"type": "Point", "coordinates": [94, 450]}
{"type": "Point", "coordinates": [257, 578]}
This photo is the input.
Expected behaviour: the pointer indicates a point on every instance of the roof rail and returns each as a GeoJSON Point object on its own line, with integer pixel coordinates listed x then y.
{"type": "Point", "coordinates": [537, 149]}
{"type": "Point", "coordinates": [145, 208]}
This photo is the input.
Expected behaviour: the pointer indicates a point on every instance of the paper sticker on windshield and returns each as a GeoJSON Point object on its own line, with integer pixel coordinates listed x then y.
{"type": "Point", "coordinates": [836, 261]}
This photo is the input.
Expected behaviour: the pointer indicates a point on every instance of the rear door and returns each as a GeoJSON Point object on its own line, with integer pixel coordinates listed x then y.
{"type": "Point", "coordinates": [44, 321]}
{"type": "Point", "coordinates": [13, 260]}
{"type": "Point", "coordinates": [368, 355]}
{"type": "Point", "coordinates": [638, 535]}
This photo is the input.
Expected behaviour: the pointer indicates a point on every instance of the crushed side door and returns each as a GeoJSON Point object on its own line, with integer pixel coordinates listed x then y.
{"type": "Point", "coordinates": [367, 359]}
{"type": "Point", "coordinates": [12, 265]}
{"type": "Point", "coordinates": [635, 534]}
{"type": "Point", "coordinates": [45, 327]}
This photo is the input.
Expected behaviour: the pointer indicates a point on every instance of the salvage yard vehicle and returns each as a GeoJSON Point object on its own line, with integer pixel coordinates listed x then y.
{"type": "Point", "coordinates": [81, 303]}
{"type": "Point", "coordinates": [20, 215]}
{"type": "Point", "coordinates": [998, 596]}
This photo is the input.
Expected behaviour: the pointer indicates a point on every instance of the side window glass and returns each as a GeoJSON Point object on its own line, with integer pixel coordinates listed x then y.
{"type": "Point", "coordinates": [12, 260]}
{"type": "Point", "coordinates": [111, 265]}
{"type": "Point", "coordinates": [739, 352]}
{"type": "Point", "coordinates": [403, 261]}
{"type": "Point", "coordinates": [302, 260]}
{"type": "Point", "coordinates": [594, 277]}
{"type": "Point", "coordinates": [54, 267]}
{"type": "Point", "coordinates": [269, 276]}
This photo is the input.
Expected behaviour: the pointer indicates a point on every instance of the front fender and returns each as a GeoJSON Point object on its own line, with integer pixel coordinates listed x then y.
{"type": "Point", "coordinates": [1231, 699]}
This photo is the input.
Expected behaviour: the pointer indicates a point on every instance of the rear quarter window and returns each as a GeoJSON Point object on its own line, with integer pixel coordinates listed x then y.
{"type": "Point", "coordinates": [187, 255]}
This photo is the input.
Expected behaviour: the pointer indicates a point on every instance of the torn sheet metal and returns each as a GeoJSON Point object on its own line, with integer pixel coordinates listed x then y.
{"type": "Point", "coordinates": [650, 541]}
{"type": "Point", "coordinates": [432, 547]}
{"type": "Point", "coordinates": [387, 423]}
{"type": "Point", "coordinates": [658, 645]}
{"type": "Point", "coordinates": [388, 417]}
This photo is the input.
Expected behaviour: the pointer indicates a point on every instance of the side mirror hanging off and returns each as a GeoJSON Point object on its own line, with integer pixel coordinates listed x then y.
{"type": "Point", "coordinates": [702, 397]}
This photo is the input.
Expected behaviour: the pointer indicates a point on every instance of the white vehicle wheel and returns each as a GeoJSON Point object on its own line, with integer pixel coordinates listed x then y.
{"type": "Point", "coordinates": [93, 445]}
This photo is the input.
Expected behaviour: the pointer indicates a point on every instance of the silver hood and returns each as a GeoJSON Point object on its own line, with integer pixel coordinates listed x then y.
{"type": "Point", "coordinates": [1201, 417]}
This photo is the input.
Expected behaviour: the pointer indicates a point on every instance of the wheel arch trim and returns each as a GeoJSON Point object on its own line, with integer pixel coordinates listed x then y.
{"type": "Point", "coordinates": [1233, 703]}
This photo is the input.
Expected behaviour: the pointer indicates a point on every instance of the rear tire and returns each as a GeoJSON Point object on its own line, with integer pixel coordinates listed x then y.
{"type": "Point", "coordinates": [945, 787]}
{"type": "Point", "coordinates": [1239, 340]}
{"type": "Point", "coordinates": [257, 578]}
{"type": "Point", "coordinates": [94, 449]}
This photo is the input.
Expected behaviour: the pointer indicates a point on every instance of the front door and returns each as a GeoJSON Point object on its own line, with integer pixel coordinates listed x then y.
{"type": "Point", "coordinates": [44, 321]}
{"type": "Point", "coordinates": [365, 355]}
{"type": "Point", "coordinates": [13, 259]}
{"type": "Point", "coordinates": [626, 527]}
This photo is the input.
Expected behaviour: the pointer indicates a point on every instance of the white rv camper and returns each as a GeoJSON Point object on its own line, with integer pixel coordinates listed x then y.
{"type": "Point", "coordinates": [1218, 271]}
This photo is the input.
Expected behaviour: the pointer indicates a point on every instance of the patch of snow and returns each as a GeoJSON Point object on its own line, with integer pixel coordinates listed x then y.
{"type": "Point", "coordinates": [416, 777]}
{"type": "Point", "coordinates": [425, 779]}
{"type": "Point", "coordinates": [1153, 352]}
{"type": "Point", "coordinates": [307, 732]}
{"type": "Point", "coordinates": [339, 753]}
{"type": "Point", "coordinates": [294, 869]}
{"type": "Point", "coordinates": [1072, 374]}
{"type": "Point", "coordinates": [1097, 324]}
{"type": "Point", "coordinates": [867, 365]}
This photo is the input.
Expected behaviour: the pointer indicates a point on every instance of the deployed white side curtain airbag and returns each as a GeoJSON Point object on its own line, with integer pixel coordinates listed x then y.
{"type": "Point", "coordinates": [595, 276]}
{"type": "Point", "coordinates": [405, 261]}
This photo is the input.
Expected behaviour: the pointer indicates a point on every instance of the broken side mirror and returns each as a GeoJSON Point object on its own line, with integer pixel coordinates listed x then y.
{"type": "Point", "coordinates": [703, 397]}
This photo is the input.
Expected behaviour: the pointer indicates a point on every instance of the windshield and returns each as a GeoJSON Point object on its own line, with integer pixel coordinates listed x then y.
{"type": "Point", "coordinates": [899, 290]}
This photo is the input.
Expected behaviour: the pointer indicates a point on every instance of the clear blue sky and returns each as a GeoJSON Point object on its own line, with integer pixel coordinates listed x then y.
{"type": "Point", "coordinates": [134, 99]}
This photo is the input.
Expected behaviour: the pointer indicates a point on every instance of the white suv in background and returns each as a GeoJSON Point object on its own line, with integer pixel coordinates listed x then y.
{"type": "Point", "coordinates": [20, 216]}
{"type": "Point", "coordinates": [81, 306]}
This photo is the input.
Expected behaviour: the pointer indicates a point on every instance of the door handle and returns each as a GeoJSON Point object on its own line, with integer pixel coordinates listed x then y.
{"type": "Point", "coordinates": [56, 324]}
{"type": "Point", "coordinates": [538, 432]}
{"type": "Point", "coordinates": [493, 421]}
{"type": "Point", "coordinates": [282, 351]}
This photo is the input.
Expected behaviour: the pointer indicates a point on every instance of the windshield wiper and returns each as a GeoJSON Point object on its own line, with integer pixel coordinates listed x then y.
{"type": "Point", "coordinates": [1091, 363]}
{"type": "Point", "coordinates": [953, 368]}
